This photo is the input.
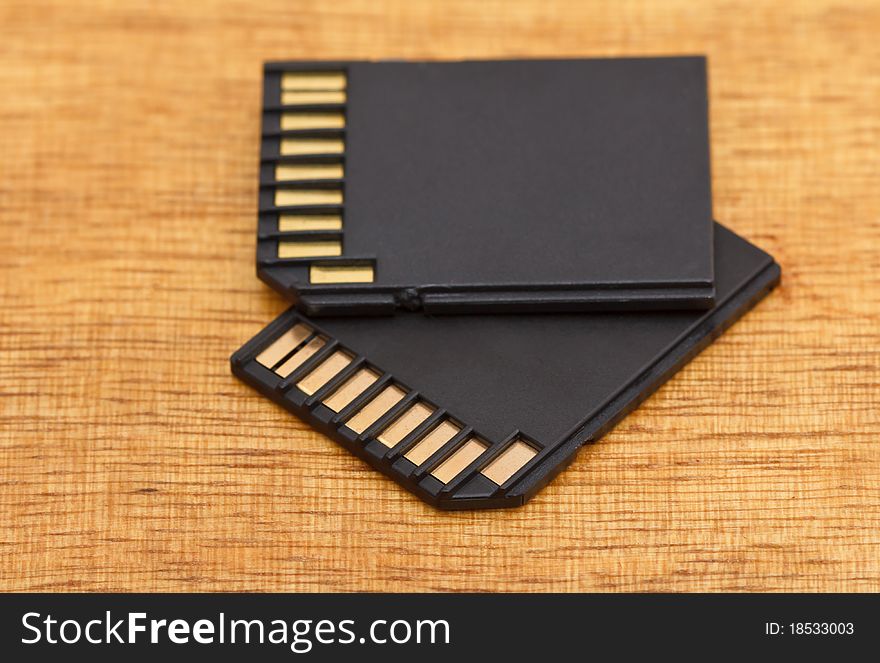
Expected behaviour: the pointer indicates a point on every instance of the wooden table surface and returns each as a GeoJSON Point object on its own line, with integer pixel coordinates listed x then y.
{"type": "Point", "coordinates": [131, 459]}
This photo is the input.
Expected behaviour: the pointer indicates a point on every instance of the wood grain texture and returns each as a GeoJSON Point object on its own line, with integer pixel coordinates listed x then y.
{"type": "Point", "coordinates": [130, 459]}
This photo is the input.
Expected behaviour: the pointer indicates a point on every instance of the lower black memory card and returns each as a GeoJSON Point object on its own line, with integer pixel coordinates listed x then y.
{"type": "Point", "coordinates": [482, 411]}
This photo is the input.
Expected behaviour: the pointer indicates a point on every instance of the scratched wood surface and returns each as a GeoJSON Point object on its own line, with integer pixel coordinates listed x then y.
{"type": "Point", "coordinates": [130, 459]}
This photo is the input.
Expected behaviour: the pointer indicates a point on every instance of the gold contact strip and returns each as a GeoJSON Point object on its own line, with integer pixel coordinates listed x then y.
{"type": "Point", "coordinates": [372, 411]}
{"type": "Point", "coordinates": [309, 249]}
{"type": "Point", "coordinates": [313, 80]}
{"type": "Point", "coordinates": [452, 466]}
{"type": "Point", "coordinates": [405, 424]}
{"type": "Point", "coordinates": [326, 371]}
{"type": "Point", "coordinates": [283, 345]}
{"type": "Point", "coordinates": [297, 222]}
{"type": "Point", "coordinates": [301, 97]}
{"type": "Point", "coordinates": [499, 470]}
{"type": "Point", "coordinates": [351, 389]}
{"type": "Point", "coordinates": [308, 197]}
{"type": "Point", "coordinates": [287, 172]}
{"type": "Point", "coordinates": [295, 121]}
{"type": "Point", "coordinates": [300, 356]}
{"type": "Point", "coordinates": [299, 146]}
{"type": "Point", "coordinates": [509, 462]}
{"type": "Point", "coordinates": [321, 274]}
{"type": "Point", "coordinates": [429, 444]}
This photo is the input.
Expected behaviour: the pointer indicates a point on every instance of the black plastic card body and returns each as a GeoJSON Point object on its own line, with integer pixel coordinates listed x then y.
{"type": "Point", "coordinates": [472, 412]}
{"type": "Point", "coordinates": [487, 186]}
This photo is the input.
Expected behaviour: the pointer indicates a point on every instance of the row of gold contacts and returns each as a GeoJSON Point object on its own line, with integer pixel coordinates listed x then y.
{"type": "Point", "coordinates": [308, 191]}
{"type": "Point", "coordinates": [366, 404]}
{"type": "Point", "coordinates": [312, 146]}
{"type": "Point", "coordinates": [307, 131]}
{"type": "Point", "coordinates": [313, 139]}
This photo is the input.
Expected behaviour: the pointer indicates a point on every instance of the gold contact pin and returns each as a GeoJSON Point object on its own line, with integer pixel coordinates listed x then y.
{"type": "Point", "coordinates": [372, 411]}
{"type": "Point", "coordinates": [313, 80]}
{"type": "Point", "coordinates": [284, 197]}
{"type": "Point", "coordinates": [300, 222]}
{"type": "Point", "coordinates": [303, 97]}
{"type": "Point", "coordinates": [323, 249]}
{"type": "Point", "coordinates": [287, 172]}
{"type": "Point", "coordinates": [322, 274]}
{"type": "Point", "coordinates": [296, 121]}
{"type": "Point", "coordinates": [464, 456]}
{"type": "Point", "coordinates": [351, 389]}
{"type": "Point", "coordinates": [329, 368]}
{"type": "Point", "coordinates": [509, 462]}
{"type": "Point", "coordinates": [301, 146]}
{"type": "Point", "coordinates": [429, 444]}
{"type": "Point", "coordinates": [405, 424]}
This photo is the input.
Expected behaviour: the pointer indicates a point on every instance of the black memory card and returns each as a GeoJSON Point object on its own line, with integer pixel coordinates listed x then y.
{"type": "Point", "coordinates": [481, 411]}
{"type": "Point", "coordinates": [487, 186]}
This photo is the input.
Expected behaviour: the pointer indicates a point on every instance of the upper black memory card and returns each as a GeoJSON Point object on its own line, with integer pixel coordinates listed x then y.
{"type": "Point", "coordinates": [487, 186]}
